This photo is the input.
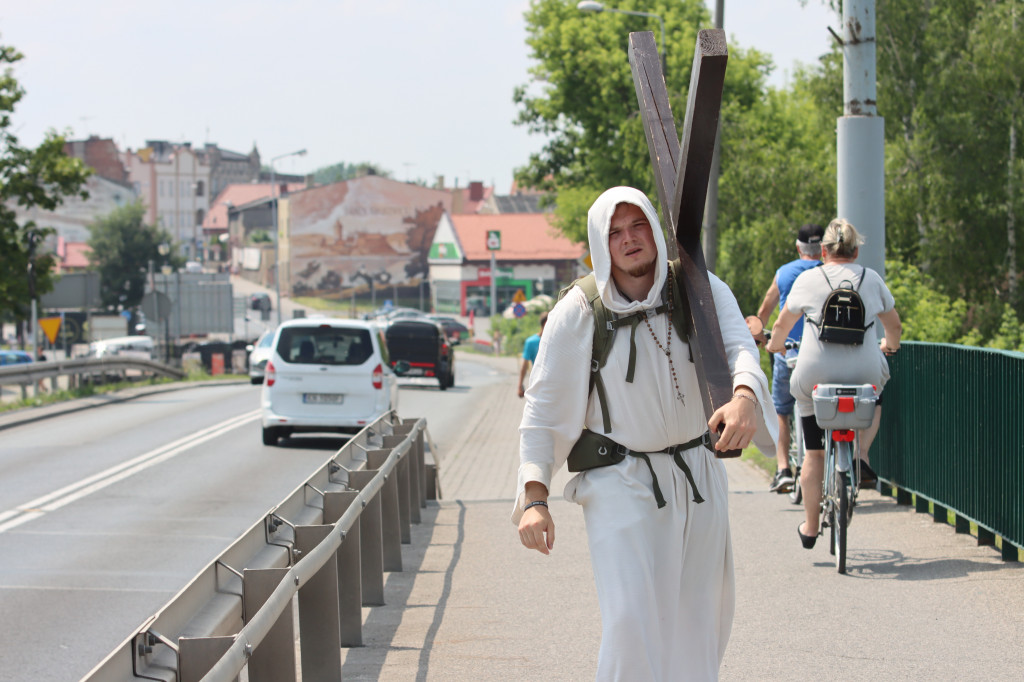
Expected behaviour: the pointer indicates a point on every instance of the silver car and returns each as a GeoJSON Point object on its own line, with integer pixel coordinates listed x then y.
{"type": "Point", "coordinates": [259, 354]}
{"type": "Point", "coordinates": [326, 374]}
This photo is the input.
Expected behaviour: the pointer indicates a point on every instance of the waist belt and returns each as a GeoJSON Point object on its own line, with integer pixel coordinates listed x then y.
{"type": "Point", "coordinates": [594, 450]}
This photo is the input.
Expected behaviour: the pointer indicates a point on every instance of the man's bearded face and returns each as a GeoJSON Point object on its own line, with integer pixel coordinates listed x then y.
{"type": "Point", "coordinates": [631, 241]}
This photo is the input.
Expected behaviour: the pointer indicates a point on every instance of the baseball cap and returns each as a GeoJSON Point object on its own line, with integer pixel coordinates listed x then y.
{"type": "Point", "coordinates": [810, 233]}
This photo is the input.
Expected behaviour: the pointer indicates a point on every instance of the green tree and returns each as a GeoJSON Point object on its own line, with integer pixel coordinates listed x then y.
{"type": "Point", "coordinates": [949, 75]}
{"type": "Point", "coordinates": [122, 247]}
{"type": "Point", "coordinates": [37, 178]}
{"type": "Point", "coordinates": [582, 97]}
{"type": "Point", "coordinates": [347, 171]}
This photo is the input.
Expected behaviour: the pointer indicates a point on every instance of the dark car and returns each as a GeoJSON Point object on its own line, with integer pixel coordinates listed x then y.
{"type": "Point", "coordinates": [453, 329]}
{"type": "Point", "coordinates": [423, 344]}
{"type": "Point", "coordinates": [260, 301]}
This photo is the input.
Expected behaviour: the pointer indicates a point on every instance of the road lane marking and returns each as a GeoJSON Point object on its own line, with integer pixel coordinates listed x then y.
{"type": "Point", "coordinates": [33, 509]}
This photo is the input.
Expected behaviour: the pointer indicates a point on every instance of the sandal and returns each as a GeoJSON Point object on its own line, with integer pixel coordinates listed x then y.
{"type": "Point", "coordinates": [806, 540]}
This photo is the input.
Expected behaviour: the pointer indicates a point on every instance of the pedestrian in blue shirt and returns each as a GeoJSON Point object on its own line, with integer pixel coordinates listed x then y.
{"type": "Point", "coordinates": [530, 348]}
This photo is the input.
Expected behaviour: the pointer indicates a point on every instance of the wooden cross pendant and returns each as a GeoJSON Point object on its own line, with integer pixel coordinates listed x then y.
{"type": "Point", "coordinates": [681, 170]}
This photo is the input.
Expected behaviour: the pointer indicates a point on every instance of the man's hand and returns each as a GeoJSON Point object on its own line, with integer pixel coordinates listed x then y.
{"type": "Point", "coordinates": [522, 391]}
{"type": "Point", "coordinates": [776, 344]}
{"type": "Point", "coordinates": [537, 530]}
{"type": "Point", "coordinates": [739, 416]}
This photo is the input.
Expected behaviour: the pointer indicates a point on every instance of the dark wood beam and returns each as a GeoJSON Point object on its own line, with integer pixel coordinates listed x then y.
{"type": "Point", "coordinates": [681, 171]}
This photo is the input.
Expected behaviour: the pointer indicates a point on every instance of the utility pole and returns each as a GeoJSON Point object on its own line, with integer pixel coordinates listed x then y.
{"type": "Point", "coordinates": [861, 136]}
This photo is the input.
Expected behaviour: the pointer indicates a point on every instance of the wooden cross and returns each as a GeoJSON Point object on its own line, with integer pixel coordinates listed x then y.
{"type": "Point", "coordinates": [682, 180]}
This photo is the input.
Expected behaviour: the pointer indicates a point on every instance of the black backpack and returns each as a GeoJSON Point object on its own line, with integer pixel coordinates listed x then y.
{"type": "Point", "coordinates": [842, 315]}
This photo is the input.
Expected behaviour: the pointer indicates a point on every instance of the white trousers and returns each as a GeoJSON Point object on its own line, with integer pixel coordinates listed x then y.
{"type": "Point", "coordinates": [664, 576]}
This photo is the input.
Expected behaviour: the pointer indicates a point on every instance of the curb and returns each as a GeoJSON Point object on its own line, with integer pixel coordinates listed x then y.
{"type": "Point", "coordinates": [28, 415]}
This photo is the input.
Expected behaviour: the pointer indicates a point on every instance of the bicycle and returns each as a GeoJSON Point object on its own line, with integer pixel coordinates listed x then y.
{"type": "Point", "coordinates": [796, 441]}
{"type": "Point", "coordinates": [841, 410]}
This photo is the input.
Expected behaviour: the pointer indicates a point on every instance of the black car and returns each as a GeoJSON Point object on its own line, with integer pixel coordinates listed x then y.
{"type": "Point", "coordinates": [423, 344]}
{"type": "Point", "coordinates": [453, 329]}
{"type": "Point", "coordinates": [260, 301]}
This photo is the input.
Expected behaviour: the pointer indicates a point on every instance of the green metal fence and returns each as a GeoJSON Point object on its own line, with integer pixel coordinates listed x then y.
{"type": "Point", "coordinates": [952, 433]}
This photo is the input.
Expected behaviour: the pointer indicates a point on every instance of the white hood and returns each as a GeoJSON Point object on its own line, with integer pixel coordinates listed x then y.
{"type": "Point", "coordinates": [598, 222]}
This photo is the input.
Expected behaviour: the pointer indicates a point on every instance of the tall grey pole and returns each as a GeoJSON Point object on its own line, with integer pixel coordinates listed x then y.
{"type": "Point", "coordinates": [277, 240]}
{"type": "Point", "coordinates": [860, 168]}
{"type": "Point", "coordinates": [494, 289]}
{"type": "Point", "coordinates": [709, 232]}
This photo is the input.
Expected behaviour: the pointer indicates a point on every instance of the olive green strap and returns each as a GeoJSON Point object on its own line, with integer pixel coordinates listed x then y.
{"type": "Point", "coordinates": [677, 457]}
{"type": "Point", "coordinates": [658, 497]}
{"type": "Point", "coordinates": [602, 398]}
{"type": "Point", "coordinates": [631, 367]}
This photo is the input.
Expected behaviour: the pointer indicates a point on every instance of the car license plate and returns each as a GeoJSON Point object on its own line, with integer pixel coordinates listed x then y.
{"type": "Point", "coordinates": [323, 398]}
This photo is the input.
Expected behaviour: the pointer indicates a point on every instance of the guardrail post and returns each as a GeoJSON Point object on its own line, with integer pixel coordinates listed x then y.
{"type": "Point", "coordinates": [404, 515]}
{"type": "Point", "coordinates": [350, 589]}
{"type": "Point", "coordinates": [370, 542]}
{"type": "Point", "coordinates": [196, 655]}
{"type": "Point", "coordinates": [963, 525]}
{"type": "Point", "coordinates": [939, 513]}
{"type": "Point", "coordinates": [391, 526]}
{"type": "Point", "coordinates": [319, 619]}
{"type": "Point", "coordinates": [274, 659]}
{"type": "Point", "coordinates": [417, 499]}
{"type": "Point", "coordinates": [419, 468]}
{"type": "Point", "coordinates": [1009, 551]}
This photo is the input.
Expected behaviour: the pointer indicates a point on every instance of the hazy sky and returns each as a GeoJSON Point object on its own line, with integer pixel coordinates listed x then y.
{"type": "Point", "coordinates": [419, 87]}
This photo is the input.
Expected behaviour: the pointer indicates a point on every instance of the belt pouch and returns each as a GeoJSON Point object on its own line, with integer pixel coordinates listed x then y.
{"type": "Point", "coordinates": [593, 450]}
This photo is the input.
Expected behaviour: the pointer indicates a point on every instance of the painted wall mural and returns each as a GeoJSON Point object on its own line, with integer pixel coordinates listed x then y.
{"type": "Point", "coordinates": [348, 232]}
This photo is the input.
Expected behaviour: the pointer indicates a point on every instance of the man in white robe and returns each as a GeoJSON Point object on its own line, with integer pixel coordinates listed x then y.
{"type": "Point", "coordinates": [664, 575]}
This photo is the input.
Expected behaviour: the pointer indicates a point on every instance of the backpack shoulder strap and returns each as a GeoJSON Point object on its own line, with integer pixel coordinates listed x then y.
{"type": "Point", "coordinates": [604, 330]}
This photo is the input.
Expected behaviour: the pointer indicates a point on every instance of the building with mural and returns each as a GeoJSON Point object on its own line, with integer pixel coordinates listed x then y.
{"type": "Point", "coordinates": [345, 234]}
{"type": "Point", "coordinates": [532, 257]}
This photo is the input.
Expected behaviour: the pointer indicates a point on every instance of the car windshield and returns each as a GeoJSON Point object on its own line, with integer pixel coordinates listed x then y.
{"type": "Point", "coordinates": [267, 341]}
{"type": "Point", "coordinates": [325, 345]}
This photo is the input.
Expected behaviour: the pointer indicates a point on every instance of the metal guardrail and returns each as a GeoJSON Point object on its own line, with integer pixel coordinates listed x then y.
{"type": "Point", "coordinates": [950, 435]}
{"type": "Point", "coordinates": [31, 372]}
{"type": "Point", "coordinates": [330, 542]}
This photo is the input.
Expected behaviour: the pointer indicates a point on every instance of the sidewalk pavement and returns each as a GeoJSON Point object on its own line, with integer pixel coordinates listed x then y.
{"type": "Point", "coordinates": [918, 602]}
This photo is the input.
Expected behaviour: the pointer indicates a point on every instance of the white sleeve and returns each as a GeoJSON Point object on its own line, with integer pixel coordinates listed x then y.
{"type": "Point", "coordinates": [556, 401]}
{"type": "Point", "coordinates": [745, 363]}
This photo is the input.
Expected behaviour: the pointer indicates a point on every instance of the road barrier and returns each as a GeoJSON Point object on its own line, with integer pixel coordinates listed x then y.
{"type": "Point", "coordinates": [330, 543]}
{"type": "Point", "coordinates": [30, 372]}
{"type": "Point", "coordinates": [950, 436]}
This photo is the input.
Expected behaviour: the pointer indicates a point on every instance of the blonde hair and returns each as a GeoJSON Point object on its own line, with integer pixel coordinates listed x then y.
{"type": "Point", "coordinates": [841, 238]}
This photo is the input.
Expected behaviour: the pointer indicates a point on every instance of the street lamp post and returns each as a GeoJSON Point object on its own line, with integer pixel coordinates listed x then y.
{"type": "Point", "coordinates": [593, 6]}
{"type": "Point", "coordinates": [277, 233]}
{"type": "Point", "coordinates": [164, 249]}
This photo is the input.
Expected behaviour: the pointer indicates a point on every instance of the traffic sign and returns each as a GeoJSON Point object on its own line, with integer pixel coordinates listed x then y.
{"type": "Point", "coordinates": [493, 240]}
{"type": "Point", "coordinates": [518, 310]}
{"type": "Point", "coordinates": [519, 297]}
{"type": "Point", "coordinates": [50, 325]}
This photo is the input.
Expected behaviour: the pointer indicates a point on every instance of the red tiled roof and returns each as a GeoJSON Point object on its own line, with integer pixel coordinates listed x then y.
{"type": "Point", "coordinates": [217, 217]}
{"type": "Point", "coordinates": [524, 236]}
{"type": "Point", "coordinates": [75, 255]}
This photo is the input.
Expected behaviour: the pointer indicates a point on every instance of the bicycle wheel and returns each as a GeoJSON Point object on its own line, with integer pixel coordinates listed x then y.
{"type": "Point", "coordinates": [842, 517]}
{"type": "Point", "coordinates": [796, 461]}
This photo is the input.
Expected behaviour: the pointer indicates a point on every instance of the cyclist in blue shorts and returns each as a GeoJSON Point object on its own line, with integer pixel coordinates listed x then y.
{"type": "Point", "coordinates": [530, 348]}
{"type": "Point", "coordinates": [808, 247]}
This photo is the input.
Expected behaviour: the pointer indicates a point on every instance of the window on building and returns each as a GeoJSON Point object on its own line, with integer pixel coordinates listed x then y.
{"type": "Point", "coordinates": [199, 188]}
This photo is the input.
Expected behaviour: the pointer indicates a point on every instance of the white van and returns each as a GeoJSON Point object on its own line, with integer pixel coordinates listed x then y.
{"type": "Point", "coordinates": [124, 346]}
{"type": "Point", "coordinates": [326, 374]}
